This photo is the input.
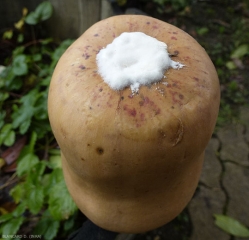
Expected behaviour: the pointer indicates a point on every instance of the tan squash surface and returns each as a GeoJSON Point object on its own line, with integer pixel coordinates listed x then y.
{"type": "Point", "coordinates": [132, 162]}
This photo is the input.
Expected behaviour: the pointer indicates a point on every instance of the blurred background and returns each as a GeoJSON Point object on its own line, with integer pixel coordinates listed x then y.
{"type": "Point", "coordinates": [33, 196]}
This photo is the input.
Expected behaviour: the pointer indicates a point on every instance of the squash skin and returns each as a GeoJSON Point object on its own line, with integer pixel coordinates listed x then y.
{"type": "Point", "coordinates": [132, 162]}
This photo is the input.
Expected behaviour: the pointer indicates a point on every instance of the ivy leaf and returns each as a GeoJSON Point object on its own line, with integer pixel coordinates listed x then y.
{"type": "Point", "coordinates": [41, 13]}
{"type": "Point", "coordinates": [231, 226]}
{"type": "Point", "coordinates": [47, 226]}
{"type": "Point", "coordinates": [12, 226]}
{"type": "Point", "coordinates": [20, 66]}
{"type": "Point", "coordinates": [44, 10]}
{"type": "Point", "coordinates": [61, 204]}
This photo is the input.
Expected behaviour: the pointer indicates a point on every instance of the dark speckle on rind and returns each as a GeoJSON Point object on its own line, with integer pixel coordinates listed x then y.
{"type": "Point", "coordinates": [82, 67]}
{"type": "Point", "coordinates": [86, 56]}
{"type": "Point", "coordinates": [96, 35]}
{"type": "Point", "coordinates": [100, 150]}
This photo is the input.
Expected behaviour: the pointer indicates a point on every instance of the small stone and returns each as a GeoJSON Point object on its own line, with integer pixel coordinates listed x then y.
{"type": "Point", "coordinates": [204, 204]}
{"type": "Point", "coordinates": [233, 144]}
{"type": "Point", "coordinates": [212, 169]}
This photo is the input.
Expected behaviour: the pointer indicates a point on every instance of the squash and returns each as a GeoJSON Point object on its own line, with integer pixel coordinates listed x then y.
{"type": "Point", "coordinates": [132, 162]}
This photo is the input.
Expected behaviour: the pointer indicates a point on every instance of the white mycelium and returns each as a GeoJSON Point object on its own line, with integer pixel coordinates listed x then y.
{"type": "Point", "coordinates": [134, 59]}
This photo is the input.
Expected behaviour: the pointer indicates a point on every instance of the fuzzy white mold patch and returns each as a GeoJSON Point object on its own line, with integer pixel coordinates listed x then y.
{"type": "Point", "coordinates": [134, 59]}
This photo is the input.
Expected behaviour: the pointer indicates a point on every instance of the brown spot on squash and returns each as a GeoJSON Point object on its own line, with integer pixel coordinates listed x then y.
{"type": "Point", "coordinates": [100, 150]}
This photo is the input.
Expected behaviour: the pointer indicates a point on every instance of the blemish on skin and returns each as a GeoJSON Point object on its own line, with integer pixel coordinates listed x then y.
{"type": "Point", "coordinates": [179, 133]}
{"type": "Point", "coordinates": [100, 150]}
{"type": "Point", "coordinates": [82, 67]}
{"type": "Point", "coordinates": [88, 144]}
{"type": "Point", "coordinates": [174, 38]}
{"type": "Point", "coordinates": [147, 102]}
{"type": "Point", "coordinates": [96, 35]}
{"type": "Point", "coordinates": [148, 23]}
{"type": "Point", "coordinates": [142, 117]}
{"type": "Point", "coordinates": [181, 96]}
{"type": "Point", "coordinates": [86, 56]}
{"type": "Point", "coordinates": [196, 79]}
{"type": "Point", "coordinates": [101, 89]}
{"type": "Point", "coordinates": [132, 112]}
{"type": "Point", "coordinates": [176, 53]}
{"type": "Point", "coordinates": [176, 97]}
{"type": "Point", "coordinates": [155, 27]}
{"type": "Point", "coordinates": [174, 32]}
{"type": "Point", "coordinates": [82, 159]}
{"type": "Point", "coordinates": [63, 132]}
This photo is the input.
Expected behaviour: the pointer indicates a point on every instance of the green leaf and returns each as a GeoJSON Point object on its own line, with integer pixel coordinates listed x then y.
{"type": "Point", "coordinates": [37, 57]}
{"type": "Point", "coordinates": [20, 209]}
{"type": "Point", "coordinates": [3, 96]}
{"type": "Point", "coordinates": [32, 18]}
{"type": "Point", "coordinates": [17, 192]}
{"type": "Point", "coordinates": [52, 179]}
{"type": "Point", "coordinates": [8, 34]}
{"type": "Point", "coordinates": [61, 204]}
{"type": "Point", "coordinates": [240, 51]}
{"type": "Point", "coordinates": [231, 226]}
{"type": "Point", "coordinates": [22, 116]}
{"type": "Point", "coordinates": [2, 116]}
{"type": "Point", "coordinates": [47, 226]}
{"type": "Point", "coordinates": [7, 135]}
{"type": "Point", "coordinates": [36, 198]}
{"type": "Point", "coordinates": [202, 31]}
{"type": "Point", "coordinates": [55, 161]}
{"type": "Point", "coordinates": [20, 67]}
{"type": "Point", "coordinates": [42, 12]}
{"type": "Point", "coordinates": [12, 226]}
{"type": "Point", "coordinates": [55, 151]}
{"type": "Point", "coordinates": [32, 142]}
{"type": "Point", "coordinates": [230, 65]}
{"type": "Point", "coordinates": [5, 217]}
{"type": "Point", "coordinates": [69, 223]}
{"type": "Point", "coordinates": [26, 163]}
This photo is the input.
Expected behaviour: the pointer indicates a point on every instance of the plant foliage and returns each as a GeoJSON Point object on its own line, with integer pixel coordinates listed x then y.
{"type": "Point", "coordinates": [231, 226]}
{"type": "Point", "coordinates": [41, 192]}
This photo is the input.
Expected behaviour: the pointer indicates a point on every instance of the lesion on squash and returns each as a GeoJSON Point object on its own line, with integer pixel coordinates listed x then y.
{"type": "Point", "coordinates": [179, 134]}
